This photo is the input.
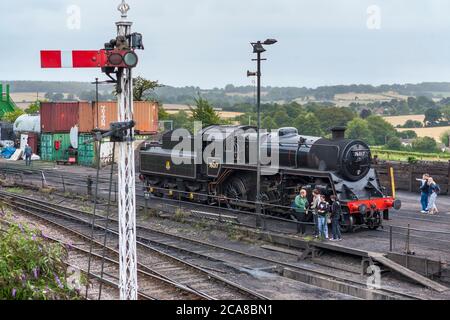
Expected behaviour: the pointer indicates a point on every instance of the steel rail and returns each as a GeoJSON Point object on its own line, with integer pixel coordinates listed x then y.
{"type": "Point", "coordinates": [46, 205]}
{"type": "Point", "coordinates": [183, 239]}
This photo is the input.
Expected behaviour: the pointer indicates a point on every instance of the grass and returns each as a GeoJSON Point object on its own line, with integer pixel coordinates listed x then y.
{"type": "Point", "coordinates": [181, 215]}
{"type": "Point", "coordinates": [15, 190]}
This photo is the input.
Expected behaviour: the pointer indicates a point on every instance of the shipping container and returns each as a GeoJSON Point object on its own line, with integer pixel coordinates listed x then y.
{"type": "Point", "coordinates": [54, 147]}
{"type": "Point", "coordinates": [88, 153]}
{"type": "Point", "coordinates": [105, 114]}
{"type": "Point", "coordinates": [145, 115]}
{"type": "Point", "coordinates": [33, 141]}
{"type": "Point", "coordinates": [63, 116]}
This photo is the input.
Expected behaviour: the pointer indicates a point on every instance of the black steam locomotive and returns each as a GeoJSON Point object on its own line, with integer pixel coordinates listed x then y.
{"type": "Point", "coordinates": [220, 161]}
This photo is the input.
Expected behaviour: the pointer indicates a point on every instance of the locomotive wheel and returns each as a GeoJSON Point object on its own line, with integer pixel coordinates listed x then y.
{"type": "Point", "coordinates": [375, 223]}
{"type": "Point", "coordinates": [236, 189]}
{"type": "Point", "coordinates": [348, 225]}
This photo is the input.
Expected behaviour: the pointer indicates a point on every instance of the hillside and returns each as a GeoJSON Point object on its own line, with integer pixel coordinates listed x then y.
{"type": "Point", "coordinates": [226, 98]}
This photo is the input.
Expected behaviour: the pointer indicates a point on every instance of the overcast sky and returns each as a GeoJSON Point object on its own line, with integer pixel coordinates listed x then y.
{"type": "Point", "coordinates": [206, 42]}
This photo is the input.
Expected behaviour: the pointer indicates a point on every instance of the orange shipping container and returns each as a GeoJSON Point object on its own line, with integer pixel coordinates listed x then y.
{"type": "Point", "coordinates": [63, 116]}
{"type": "Point", "coordinates": [145, 115]}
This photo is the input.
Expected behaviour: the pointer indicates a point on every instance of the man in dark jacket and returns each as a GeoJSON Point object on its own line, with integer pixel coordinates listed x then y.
{"type": "Point", "coordinates": [336, 213]}
{"type": "Point", "coordinates": [425, 192]}
{"type": "Point", "coordinates": [28, 154]}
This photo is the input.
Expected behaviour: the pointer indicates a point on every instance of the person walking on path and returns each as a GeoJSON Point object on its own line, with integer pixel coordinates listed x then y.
{"type": "Point", "coordinates": [28, 154]}
{"type": "Point", "coordinates": [434, 192]}
{"type": "Point", "coordinates": [424, 192]}
{"type": "Point", "coordinates": [315, 209]}
{"type": "Point", "coordinates": [300, 207]}
{"type": "Point", "coordinates": [336, 214]}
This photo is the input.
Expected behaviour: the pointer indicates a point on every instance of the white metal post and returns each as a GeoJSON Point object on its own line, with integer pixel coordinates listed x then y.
{"type": "Point", "coordinates": [127, 178]}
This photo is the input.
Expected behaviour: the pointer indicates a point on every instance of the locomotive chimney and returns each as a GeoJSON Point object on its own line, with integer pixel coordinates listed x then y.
{"type": "Point", "coordinates": [338, 133]}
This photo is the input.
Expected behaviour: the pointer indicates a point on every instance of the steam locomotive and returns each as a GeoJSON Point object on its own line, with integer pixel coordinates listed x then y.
{"type": "Point", "coordinates": [220, 162]}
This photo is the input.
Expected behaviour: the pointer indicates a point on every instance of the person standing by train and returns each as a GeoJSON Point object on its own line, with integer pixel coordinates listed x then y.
{"type": "Point", "coordinates": [315, 209]}
{"type": "Point", "coordinates": [336, 215]}
{"type": "Point", "coordinates": [301, 205]}
{"type": "Point", "coordinates": [323, 208]}
{"type": "Point", "coordinates": [424, 192]}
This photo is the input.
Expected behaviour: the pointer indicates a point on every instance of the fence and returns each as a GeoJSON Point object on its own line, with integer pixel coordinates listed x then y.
{"type": "Point", "coordinates": [405, 175]}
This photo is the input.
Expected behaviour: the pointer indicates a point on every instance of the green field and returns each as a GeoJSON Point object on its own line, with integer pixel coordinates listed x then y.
{"type": "Point", "coordinates": [394, 155]}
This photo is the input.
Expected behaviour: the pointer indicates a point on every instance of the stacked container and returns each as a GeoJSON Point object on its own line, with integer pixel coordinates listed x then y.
{"type": "Point", "coordinates": [145, 115]}
{"type": "Point", "coordinates": [57, 120]}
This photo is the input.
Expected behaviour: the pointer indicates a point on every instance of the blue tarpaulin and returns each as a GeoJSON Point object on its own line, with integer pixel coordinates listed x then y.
{"type": "Point", "coordinates": [7, 152]}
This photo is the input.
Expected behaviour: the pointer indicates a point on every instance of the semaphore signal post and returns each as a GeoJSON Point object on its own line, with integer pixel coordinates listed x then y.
{"type": "Point", "coordinates": [118, 59]}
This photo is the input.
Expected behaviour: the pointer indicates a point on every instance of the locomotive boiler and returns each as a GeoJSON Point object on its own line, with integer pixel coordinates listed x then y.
{"type": "Point", "coordinates": [219, 162]}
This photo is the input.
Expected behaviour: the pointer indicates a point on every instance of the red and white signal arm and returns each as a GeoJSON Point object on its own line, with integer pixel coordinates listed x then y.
{"type": "Point", "coordinates": [72, 59]}
{"type": "Point", "coordinates": [88, 59]}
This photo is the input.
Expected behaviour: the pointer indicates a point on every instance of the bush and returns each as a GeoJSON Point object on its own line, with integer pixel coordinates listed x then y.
{"type": "Point", "coordinates": [425, 144]}
{"type": "Point", "coordinates": [445, 138]}
{"type": "Point", "coordinates": [31, 268]}
{"type": "Point", "coordinates": [394, 143]}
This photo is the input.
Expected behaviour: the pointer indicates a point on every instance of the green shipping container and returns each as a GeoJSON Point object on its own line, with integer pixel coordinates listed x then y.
{"type": "Point", "coordinates": [86, 152]}
{"type": "Point", "coordinates": [48, 146]}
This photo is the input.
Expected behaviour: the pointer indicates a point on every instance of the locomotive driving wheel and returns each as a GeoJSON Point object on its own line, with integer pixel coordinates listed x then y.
{"type": "Point", "coordinates": [237, 189]}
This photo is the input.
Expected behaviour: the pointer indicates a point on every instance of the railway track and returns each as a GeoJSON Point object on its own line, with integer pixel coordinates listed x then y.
{"type": "Point", "coordinates": [186, 248]}
{"type": "Point", "coordinates": [189, 280]}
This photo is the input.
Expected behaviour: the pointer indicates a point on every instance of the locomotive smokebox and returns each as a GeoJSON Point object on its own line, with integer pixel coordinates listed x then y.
{"type": "Point", "coordinates": [338, 133]}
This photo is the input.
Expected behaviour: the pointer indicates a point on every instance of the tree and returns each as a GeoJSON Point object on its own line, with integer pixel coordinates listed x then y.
{"type": "Point", "coordinates": [359, 129]}
{"type": "Point", "coordinates": [308, 124]}
{"type": "Point", "coordinates": [142, 87]}
{"type": "Point", "coordinates": [408, 134]}
{"type": "Point", "coordinates": [281, 119]}
{"type": "Point", "coordinates": [446, 112]}
{"type": "Point", "coordinates": [333, 117]}
{"type": "Point", "coordinates": [365, 113]}
{"type": "Point", "coordinates": [33, 108]}
{"type": "Point", "coordinates": [432, 115]}
{"type": "Point", "coordinates": [425, 144]}
{"type": "Point", "coordinates": [413, 124]}
{"type": "Point", "coordinates": [380, 130]}
{"type": "Point", "coordinates": [162, 114]}
{"type": "Point", "coordinates": [205, 113]}
{"type": "Point", "coordinates": [394, 143]}
{"type": "Point", "coordinates": [269, 124]}
{"type": "Point", "coordinates": [182, 120]}
{"type": "Point", "coordinates": [12, 116]}
{"type": "Point", "coordinates": [445, 138]}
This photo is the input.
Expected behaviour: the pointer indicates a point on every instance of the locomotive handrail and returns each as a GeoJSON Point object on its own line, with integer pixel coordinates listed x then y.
{"type": "Point", "coordinates": [223, 198]}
